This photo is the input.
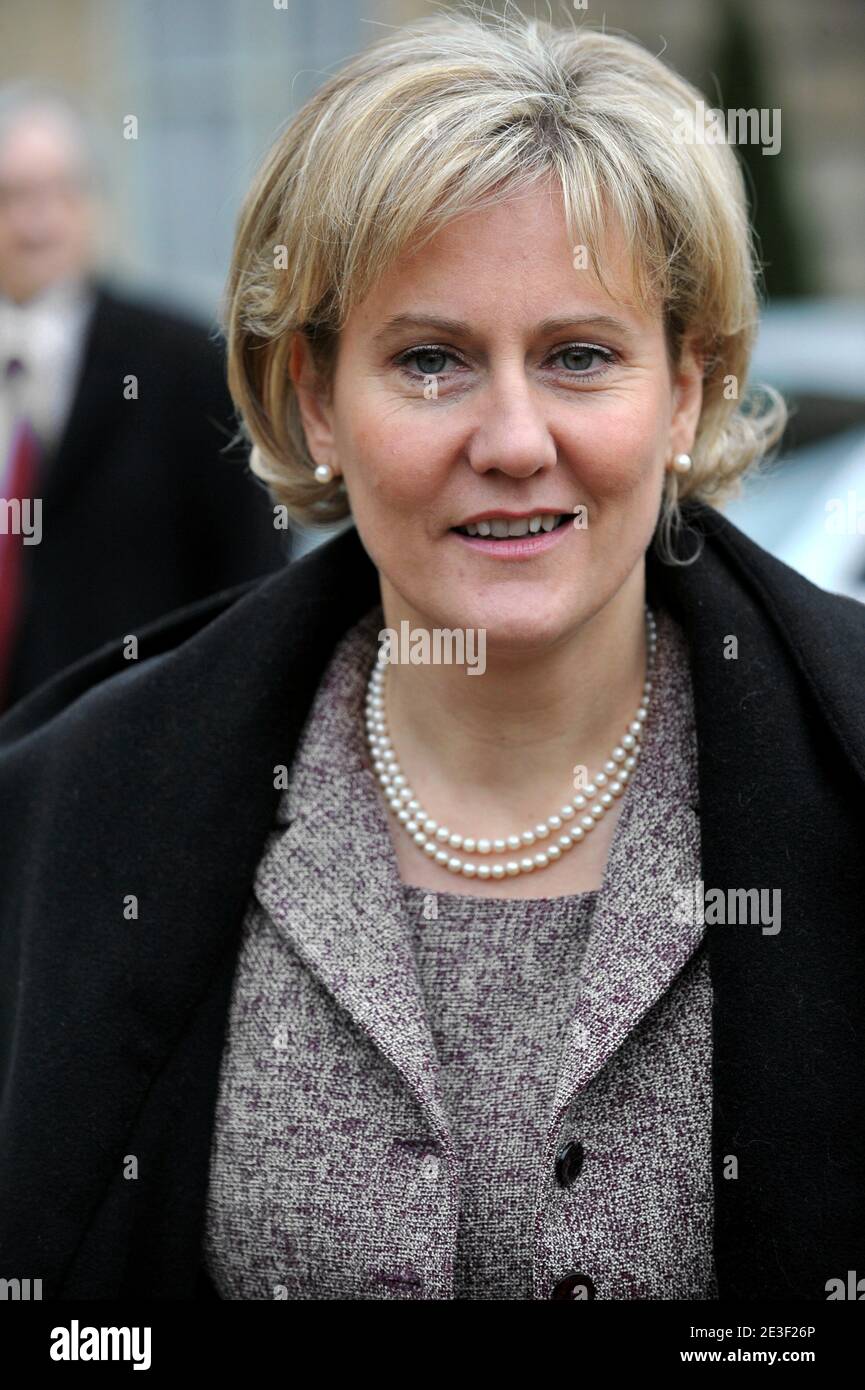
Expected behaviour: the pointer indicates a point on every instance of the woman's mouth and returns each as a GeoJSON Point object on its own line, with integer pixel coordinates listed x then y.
{"type": "Point", "coordinates": [514, 537]}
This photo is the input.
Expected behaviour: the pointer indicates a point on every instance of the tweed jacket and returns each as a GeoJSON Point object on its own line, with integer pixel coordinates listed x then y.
{"type": "Point", "coordinates": [136, 799]}
{"type": "Point", "coordinates": [332, 1098]}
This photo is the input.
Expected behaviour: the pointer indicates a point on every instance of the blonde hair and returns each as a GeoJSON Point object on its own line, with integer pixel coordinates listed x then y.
{"type": "Point", "coordinates": [439, 119]}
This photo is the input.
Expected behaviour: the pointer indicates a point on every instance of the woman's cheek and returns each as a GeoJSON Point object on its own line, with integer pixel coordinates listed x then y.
{"type": "Point", "coordinates": [609, 476]}
{"type": "Point", "coordinates": [405, 483]}
{"type": "Point", "coordinates": [623, 461]}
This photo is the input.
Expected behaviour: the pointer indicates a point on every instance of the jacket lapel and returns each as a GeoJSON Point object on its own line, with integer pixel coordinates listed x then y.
{"type": "Point", "coordinates": [640, 938]}
{"type": "Point", "coordinates": [347, 924]}
{"type": "Point", "coordinates": [338, 908]}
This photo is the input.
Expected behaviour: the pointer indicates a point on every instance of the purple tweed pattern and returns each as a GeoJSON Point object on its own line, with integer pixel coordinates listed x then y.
{"type": "Point", "coordinates": [401, 1068]}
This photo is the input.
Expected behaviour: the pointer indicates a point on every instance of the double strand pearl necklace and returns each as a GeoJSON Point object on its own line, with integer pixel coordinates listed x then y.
{"type": "Point", "coordinates": [581, 813]}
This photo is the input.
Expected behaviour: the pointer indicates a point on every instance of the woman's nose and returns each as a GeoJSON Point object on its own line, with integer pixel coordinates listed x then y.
{"type": "Point", "coordinates": [511, 432]}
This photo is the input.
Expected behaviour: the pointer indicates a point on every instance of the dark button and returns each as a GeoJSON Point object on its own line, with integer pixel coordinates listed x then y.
{"type": "Point", "coordinates": [569, 1161]}
{"type": "Point", "coordinates": [577, 1287]}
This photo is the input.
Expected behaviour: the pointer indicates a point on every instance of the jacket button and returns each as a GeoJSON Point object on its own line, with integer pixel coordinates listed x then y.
{"type": "Point", "coordinates": [569, 1161]}
{"type": "Point", "coordinates": [577, 1287]}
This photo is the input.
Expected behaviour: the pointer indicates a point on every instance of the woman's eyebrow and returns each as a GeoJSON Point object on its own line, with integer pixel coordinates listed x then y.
{"type": "Point", "coordinates": [603, 322]}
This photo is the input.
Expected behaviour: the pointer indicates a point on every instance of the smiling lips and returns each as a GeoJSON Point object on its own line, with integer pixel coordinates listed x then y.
{"type": "Point", "coordinates": [502, 527]}
{"type": "Point", "coordinates": [513, 537]}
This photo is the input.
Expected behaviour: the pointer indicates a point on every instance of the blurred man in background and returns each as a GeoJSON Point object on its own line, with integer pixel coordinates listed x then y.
{"type": "Point", "coordinates": [116, 504]}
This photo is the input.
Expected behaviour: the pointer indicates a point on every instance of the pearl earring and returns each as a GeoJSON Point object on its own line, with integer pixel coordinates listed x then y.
{"type": "Point", "coordinates": [323, 473]}
{"type": "Point", "coordinates": [682, 463]}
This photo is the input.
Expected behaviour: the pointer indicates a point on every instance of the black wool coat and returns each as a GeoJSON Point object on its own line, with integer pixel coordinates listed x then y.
{"type": "Point", "coordinates": [157, 778]}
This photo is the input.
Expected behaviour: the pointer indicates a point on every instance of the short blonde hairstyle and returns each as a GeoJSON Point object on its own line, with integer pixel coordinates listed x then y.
{"type": "Point", "coordinates": [441, 118]}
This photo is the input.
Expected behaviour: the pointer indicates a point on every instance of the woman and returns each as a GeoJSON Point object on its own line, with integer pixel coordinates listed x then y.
{"type": "Point", "coordinates": [531, 971]}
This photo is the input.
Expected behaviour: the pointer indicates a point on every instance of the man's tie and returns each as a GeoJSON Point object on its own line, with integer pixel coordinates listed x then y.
{"type": "Point", "coordinates": [19, 482]}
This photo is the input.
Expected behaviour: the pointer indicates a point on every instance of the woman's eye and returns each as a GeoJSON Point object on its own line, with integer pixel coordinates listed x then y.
{"type": "Point", "coordinates": [428, 361]}
{"type": "Point", "coordinates": [578, 358]}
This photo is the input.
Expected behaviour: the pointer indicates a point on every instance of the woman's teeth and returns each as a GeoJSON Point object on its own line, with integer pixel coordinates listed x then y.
{"type": "Point", "coordinates": [500, 528]}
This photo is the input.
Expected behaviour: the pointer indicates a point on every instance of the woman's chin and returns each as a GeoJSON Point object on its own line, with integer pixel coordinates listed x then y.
{"type": "Point", "coordinates": [513, 629]}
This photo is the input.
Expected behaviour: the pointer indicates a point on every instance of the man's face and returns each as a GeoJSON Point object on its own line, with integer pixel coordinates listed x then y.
{"type": "Point", "coordinates": [47, 215]}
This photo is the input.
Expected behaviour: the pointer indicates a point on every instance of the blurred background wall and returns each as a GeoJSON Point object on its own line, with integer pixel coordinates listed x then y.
{"type": "Point", "coordinates": [211, 81]}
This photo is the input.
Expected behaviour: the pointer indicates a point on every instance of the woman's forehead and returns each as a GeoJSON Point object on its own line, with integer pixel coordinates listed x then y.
{"type": "Point", "coordinates": [515, 260]}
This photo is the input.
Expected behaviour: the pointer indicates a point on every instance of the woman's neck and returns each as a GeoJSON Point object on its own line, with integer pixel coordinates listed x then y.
{"type": "Point", "coordinates": [496, 752]}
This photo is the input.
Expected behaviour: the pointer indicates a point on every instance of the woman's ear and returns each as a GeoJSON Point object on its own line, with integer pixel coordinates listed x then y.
{"type": "Point", "coordinates": [687, 396]}
{"type": "Point", "coordinates": [313, 403]}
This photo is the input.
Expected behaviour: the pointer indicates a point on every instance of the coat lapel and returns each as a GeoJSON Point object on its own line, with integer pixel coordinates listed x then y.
{"type": "Point", "coordinates": [639, 939]}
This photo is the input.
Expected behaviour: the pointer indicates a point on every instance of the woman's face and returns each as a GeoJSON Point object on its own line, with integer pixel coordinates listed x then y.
{"type": "Point", "coordinates": [539, 395]}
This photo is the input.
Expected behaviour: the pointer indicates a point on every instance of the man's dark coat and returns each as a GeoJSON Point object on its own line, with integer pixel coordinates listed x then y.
{"type": "Point", "coordinates": [142, 512]}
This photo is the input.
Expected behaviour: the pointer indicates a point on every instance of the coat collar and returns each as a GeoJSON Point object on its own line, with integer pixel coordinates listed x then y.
{"type": "Point", "coordinates": [735, 588]}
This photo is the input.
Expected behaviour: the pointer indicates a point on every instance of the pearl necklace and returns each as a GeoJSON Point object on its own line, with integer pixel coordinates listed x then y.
{"type": "Point", "coordinates": [437, 841]}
